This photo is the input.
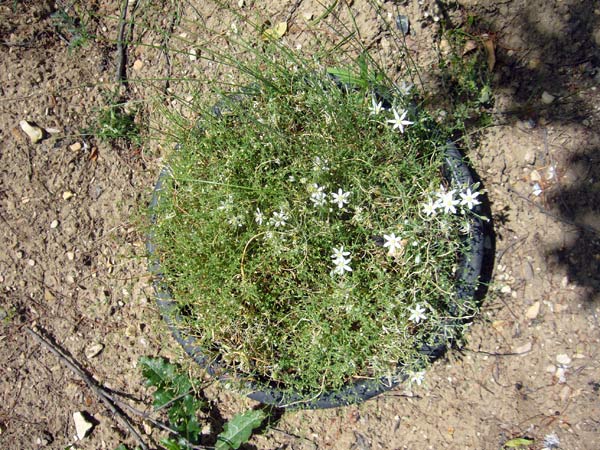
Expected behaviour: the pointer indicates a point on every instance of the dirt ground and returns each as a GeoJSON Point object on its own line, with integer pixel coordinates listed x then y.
{"type": "Point", "coordinates": [72, 260]}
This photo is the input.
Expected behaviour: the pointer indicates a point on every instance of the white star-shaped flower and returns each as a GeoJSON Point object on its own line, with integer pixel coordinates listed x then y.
{"type": "Point", "coordinates": [447, 201]}
{"type": "Point", "coordinates": [417, 314]}
{"type": "Point", "coordinates": [405, 88]}
{"type": "Point", "coordinates": [227, 204]}
{"type": "Point", "coordinates": [339, 253]}
{"type": "Point", "coordinates": [393, 243]}
{"type": "Point", "coordinates": [317, 196]}
{"type": "Point", "coordinates": [430, 208]}
{"type": "Point", "coordinates": [279, 219]}
{"type": "Point", "coordinates": [341, 198]}
{"type": "Point", "coordinates": [321, 164]}
{"type": "Point", "coordinates": [469, 198]}
{"type": "Point", "coordinates": [259, 216]}
{"type": "Point", "coordinates": [416, 377]}
{"type": "Point", "coordinates": [398, 121]}
{"type": "Point", "coordinates": [376, 108]}
{"type": "Point", "coordinates": [341, 266]}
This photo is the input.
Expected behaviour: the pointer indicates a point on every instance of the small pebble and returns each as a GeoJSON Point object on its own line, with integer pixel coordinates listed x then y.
{"type": "Point", "coordinates": [93, 350]}
{"type": "Point", "coordinates": [31, 262]}
{"type": "Point", "coordinates": [529, 157]}
{"type": "Point", "coordinates": [527, 270]}
{"type": "Point", "coordinates": [137, 65]}
{"type": "Point", "coordinates": [535, 176]}
{"type": "Point", "coordinates": [547, 98]}
{"type": "Point", "coordinates": [563, 359]}
{"type": "Point", "coordinates": [67, 195]}
{"type": "Point", "coordinates": [565, 394]}
{"type": "Point", "coordinates": [505, 289]}
{"type": "Point", "coordinates": [34, 132]}
{"type": "Point", "coordinates": [70, 256]}
{"type": "Point", "coordinates": [560, 375]}
{"type": "Point", "coordinates": [49, 296]}
{"type": "Point", "coordinates": [75, 147]}
{"type": "Point", "coordinates": [522, 348]}
{"type": "Point", "coordinates": [147, 427]}
{"type": "Point", "coordinates": [533, 311]}
{"type": "Point", "coordinates": [54, 224]}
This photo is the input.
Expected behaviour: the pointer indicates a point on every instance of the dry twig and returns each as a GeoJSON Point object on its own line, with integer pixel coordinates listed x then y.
{"type": "Point", "coordinates": [91, 383]}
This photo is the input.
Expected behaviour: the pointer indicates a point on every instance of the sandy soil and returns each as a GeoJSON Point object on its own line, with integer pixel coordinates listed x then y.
{"type": "Point", "coordinates": [72, 261]}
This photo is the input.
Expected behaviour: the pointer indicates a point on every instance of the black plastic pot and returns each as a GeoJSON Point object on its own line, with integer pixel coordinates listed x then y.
{"type": "Point", "coordinates": [470, 264]}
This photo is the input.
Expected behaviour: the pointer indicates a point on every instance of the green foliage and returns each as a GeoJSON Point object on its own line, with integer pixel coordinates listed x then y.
{"type": "Point", "coordinates": [261, 292]}
{"type": "Point", "coordinates": [117, 122]}
{"type": "Point", "coordinates": [174, 388]}
{"type": "Point", "coordinates": [73, 27]}
{"type": "Point", "coordinates": [465, 71]}
{"type": "Point", "coordinates": [239, 429]}
{"type": "Point", "coordinates": [175, 393]}
{"type": "Point", "coordinates": [367, 77]}
{"type": "Point", "coordinates": [7, 314]}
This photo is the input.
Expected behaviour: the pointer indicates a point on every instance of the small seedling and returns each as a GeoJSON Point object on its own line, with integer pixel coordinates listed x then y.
{"type": "Point", "coordinates": [117, 122]}
{"type": "Point", "coordinates": [73, 28]}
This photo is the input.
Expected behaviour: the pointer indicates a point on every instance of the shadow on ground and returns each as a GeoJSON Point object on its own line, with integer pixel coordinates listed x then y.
{"type": "Point", "coordinates": [557, 61]}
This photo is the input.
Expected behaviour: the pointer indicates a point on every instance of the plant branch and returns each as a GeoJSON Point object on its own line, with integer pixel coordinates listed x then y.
{"type": "Point", "coordinates": [91, 383]}
{"type": "Point", "coordinates": [121, 75]}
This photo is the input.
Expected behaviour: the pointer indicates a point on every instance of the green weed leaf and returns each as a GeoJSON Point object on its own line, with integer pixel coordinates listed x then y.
{"type": "Point", "coordinates": [173, 444]}
{"type": "Point", "coordinates": [347, 77]}
{"type": "Point", "coordinates": [239, 429]}
{"type": "Point", "coordinates": [166, 377]}
{"type": "Point", "coordinates": [174, 388]}
{"type": "Point", "coordinates": [518, 442]}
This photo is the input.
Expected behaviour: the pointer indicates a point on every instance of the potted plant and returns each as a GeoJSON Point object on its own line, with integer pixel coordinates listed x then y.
{"type": "Point", "coordinates": [314, 236]}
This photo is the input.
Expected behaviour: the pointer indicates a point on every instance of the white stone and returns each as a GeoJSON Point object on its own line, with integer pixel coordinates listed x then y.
{"type": "Point", "coordinates": [82, 425]}
{"type": "Point", "coordinates": [563, 359]}
{"type": "Point", "coordinates": [34, 132]}
{"type": "Point", "coordinates": [560, 375]}
{"type": "Point", "coordinates": [93, 350]}
{"type": "Point", "coordinates": [533, 311]}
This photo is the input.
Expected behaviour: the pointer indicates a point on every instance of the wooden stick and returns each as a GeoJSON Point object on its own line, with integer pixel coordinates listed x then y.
{"type": "Point", "coordinates": [121, 75]}
{"type": "Point", "coordinates": [91, 383]}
